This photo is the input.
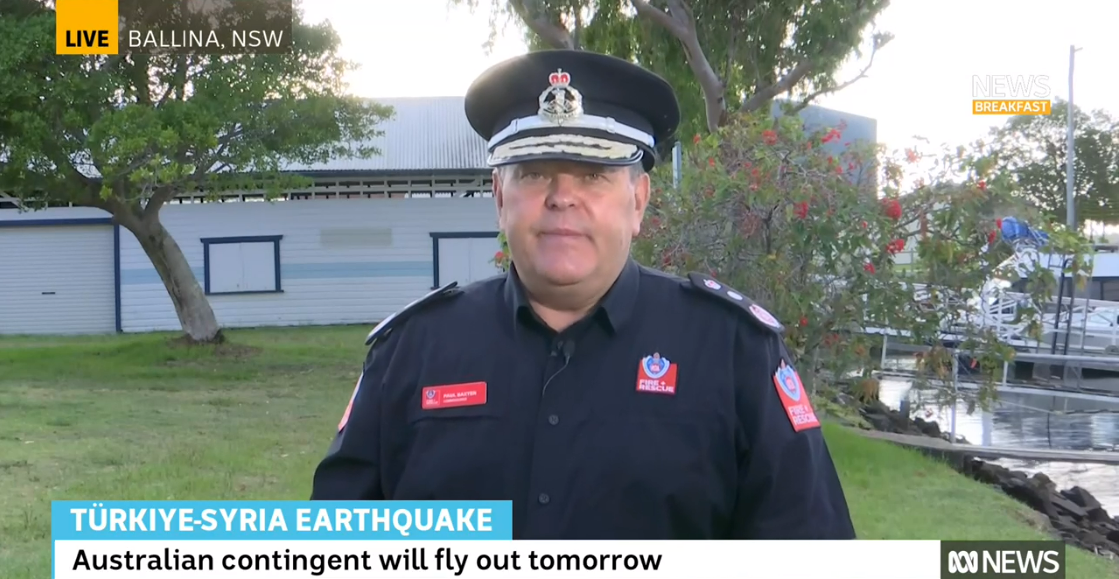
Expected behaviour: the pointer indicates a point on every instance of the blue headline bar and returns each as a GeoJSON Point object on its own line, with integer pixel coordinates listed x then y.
{"type": "Point", "coordinates": [281, 520]}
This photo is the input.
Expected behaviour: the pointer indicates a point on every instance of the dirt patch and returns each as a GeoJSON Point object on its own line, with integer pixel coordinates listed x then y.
{"type": "Point", "coordinates": [221, 350]}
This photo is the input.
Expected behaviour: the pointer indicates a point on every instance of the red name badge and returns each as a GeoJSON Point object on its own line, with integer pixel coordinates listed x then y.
{"type": "Point", "coordinates": [454, 395]}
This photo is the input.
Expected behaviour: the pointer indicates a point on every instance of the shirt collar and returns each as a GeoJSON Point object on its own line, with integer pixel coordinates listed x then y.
{"type": "Point", "coordinates": [615, 308]}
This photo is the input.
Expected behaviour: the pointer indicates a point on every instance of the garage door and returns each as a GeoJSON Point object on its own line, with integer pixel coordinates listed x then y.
{"type": "Point", "coordinates": [57, 280]}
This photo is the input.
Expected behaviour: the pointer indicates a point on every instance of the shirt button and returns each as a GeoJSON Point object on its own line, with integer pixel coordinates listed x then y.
{"type": "Point", "coordinates": [544, 498]}
{"type": "Point", "coordinates": [553, 420]}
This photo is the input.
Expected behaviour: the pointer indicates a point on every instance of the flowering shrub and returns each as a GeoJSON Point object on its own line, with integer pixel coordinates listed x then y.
{"type": "Point", "coordinates": [501, 259]}
{"type": "Point", "coordinates": [805, 232]}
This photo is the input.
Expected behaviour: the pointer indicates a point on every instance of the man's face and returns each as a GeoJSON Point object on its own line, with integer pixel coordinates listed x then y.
{"type": "Point", "coordinates": [569, 222]}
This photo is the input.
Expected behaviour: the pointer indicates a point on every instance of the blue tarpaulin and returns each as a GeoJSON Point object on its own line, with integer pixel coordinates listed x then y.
{"type": "Point", "coordinates": [1014, 230]}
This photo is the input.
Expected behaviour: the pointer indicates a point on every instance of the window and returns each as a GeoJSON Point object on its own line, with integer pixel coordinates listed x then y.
{"type": "Point", "coordinates": [241, 265]}
{"type": "Point", "coordinates": [463, 256]}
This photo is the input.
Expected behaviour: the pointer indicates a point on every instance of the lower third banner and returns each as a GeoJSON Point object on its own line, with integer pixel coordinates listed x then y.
{"type": "Point", "coordinates": [428, 540]}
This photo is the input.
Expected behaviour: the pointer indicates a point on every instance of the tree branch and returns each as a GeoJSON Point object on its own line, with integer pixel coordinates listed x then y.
{"type": "Point", "coordinates": [679, 20]}
{"type": "Point", "coordinates": [766, 94]}
{"type": "Point", "coordinates": [879, 42]}
{"type": "Point", "coordinates": [535, 16]}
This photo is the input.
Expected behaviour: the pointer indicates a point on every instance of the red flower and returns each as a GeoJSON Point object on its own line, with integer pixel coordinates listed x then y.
{"type": "Point", "coordinates": [803, 321]}
{"type": "Point", "coordinates": [982, 185]}
{"type": "Point", "coordinates": [911, 156]}
{"type": "Point", "coordinates": [991, 236]}
{"type": "Point", "coordinates": [695, 139]}
{"type": "Point", "coordinates": [998, 224]}
{"type": "Point", "coordinates": [832, 135]}
{"type": "Point", "coordinates": [869, 268]}
{"type": "Point", "coordinates": [892, 208]}
{"type": "Point", "coordinates": [895, 246]}
{"type": "Point", "coordinates": [711, 161]}
{"type": "Point", "coordinates": [499, 256]}
{"type": "Point", "coordinates": [864, 225]}
{"type": "Point", "coordinates": [851, 166]}
{"type": "Point", "coordinates": [769, 137]}
{"type": "Point", "coordinates": [801, 209]}
{"type": "Point", "coordinates": [838, 170]}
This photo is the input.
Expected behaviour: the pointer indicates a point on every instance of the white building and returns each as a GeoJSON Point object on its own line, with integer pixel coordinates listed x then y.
{"type": "Point", "coordinates": [369, 237]}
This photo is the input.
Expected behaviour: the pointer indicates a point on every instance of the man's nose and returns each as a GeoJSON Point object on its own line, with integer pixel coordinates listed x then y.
{"type": "Point", "coordinates": [562, 192]}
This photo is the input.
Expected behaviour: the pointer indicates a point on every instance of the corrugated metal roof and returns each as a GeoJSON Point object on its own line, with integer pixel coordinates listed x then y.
{"type": "Point", "coordinates": [425, 134]}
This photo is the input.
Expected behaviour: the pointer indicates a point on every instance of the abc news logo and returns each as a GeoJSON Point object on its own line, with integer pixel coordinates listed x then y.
{"type": "Point", "coordinates": [1002, 559]}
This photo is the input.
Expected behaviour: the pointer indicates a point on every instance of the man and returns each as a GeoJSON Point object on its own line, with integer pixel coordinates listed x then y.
{"type": "Point", "coordinates": [606, 400]}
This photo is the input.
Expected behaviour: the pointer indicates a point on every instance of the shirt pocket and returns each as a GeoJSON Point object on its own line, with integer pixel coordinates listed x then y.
{"type": "Point", "coordinates": [454, 454]}
{"type": "Point", "coordinates": [682, 461]}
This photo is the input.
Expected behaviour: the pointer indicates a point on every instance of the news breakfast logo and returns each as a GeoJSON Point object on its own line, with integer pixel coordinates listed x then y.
{"type": "Point", "coordinates": [1002, 559]}
{"type": "Point", "coordinates": [1006, 94]}
{"type": "Point", "coordinates": [106, 27]}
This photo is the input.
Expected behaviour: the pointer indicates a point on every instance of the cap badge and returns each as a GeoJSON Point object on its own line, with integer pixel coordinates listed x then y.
{"type": "Point", "coordinates": [560, 102]}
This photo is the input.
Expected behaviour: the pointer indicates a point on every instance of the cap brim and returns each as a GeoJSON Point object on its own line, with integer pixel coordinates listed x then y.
{"type": "Point", "coordinates": [566, 146]}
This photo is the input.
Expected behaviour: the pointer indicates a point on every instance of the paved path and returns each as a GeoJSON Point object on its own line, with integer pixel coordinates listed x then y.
{"type": "Point", "coordinates": [991, 452]}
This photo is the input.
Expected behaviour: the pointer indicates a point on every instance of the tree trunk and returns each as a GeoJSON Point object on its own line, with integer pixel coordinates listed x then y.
{"type": "Point", "coordinates": [195, 314]}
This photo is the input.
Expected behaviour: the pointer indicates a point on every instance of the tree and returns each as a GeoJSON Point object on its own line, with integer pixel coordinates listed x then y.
{"type": "Point", "coordinates": [127, 133]}
{"type": "Point", "coordinates": [763, 207]}
{"type": "Point", "coordinates": [721, 56]}
{"type": "Point", "coordinates": [1033, 150]}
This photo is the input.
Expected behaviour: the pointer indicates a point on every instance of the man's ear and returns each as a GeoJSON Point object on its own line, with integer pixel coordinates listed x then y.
{"type": "Point", "coordinates": [641, 189]}
{"type": "Point", "coordinates": [498, 198]}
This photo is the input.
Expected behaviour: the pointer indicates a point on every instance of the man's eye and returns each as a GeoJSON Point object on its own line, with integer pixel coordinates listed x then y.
{"type": "Point", "coordinates": [594, 176]}
{"type": "Point", "coordinates": [531, 176]}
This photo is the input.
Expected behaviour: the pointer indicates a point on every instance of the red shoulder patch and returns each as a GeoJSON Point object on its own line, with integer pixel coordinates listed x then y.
{"type": "Point", "coordinates": [350, 406]}
{"type": "Point", "coordinates": [794, 398]}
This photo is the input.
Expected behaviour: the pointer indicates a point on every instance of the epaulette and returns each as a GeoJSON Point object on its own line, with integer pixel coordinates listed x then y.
{"type": "Point", "coordinates": [386, 326]}
{"type": "Point", "coordinates": [708, 286]}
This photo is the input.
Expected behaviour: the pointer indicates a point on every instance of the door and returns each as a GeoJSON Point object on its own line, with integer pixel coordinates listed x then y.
{"type": "Point", "coordinates": [57, 279]}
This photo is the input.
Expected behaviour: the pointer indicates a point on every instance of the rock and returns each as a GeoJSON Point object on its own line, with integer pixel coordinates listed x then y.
{"type": "Point", "coordinates": [927, 428]}
{"type": "Point", "coordinates": [1092, 539]}
{"type": "Point", "coordinates": [1074, 514]}
{"type": "Point", "coordinates": [1065, 525]}
{"type": "Point", "coordinates": [991, 474]}
{"type": "Point", "coordinates": [1099, 515]}
{"type": "Point", "coordinates": [1081, 497]}
{"type": "Point", "coordinates": [1026, 493]}
{"type": "Point", "coordinates": [1068, 506]}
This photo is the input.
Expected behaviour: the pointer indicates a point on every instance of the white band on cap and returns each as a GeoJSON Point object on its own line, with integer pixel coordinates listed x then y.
{"type": "Point", "coordinates": [581, 145]}
{"type": "Point", "coordinates": [593, 122]}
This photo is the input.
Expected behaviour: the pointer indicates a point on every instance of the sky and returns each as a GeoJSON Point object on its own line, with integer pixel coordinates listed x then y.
{"type": "Point", "coordinates": [919, 86]}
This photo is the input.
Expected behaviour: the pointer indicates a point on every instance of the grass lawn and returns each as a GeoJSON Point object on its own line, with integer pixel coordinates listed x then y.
{"type": "Point", "coordinates": [134, 417]}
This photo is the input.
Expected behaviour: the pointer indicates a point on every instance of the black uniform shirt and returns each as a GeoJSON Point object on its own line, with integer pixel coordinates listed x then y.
{"type": "Point", "coordinates": [562, 429]}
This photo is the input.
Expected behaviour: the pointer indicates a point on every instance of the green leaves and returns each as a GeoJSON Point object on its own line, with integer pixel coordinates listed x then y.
{"type": "Point", "coordinates": [135, 130]}
{"type": "Point", "coordinates": [1032, 151]}
{"type": "Point", "coordinates": [806, 233]}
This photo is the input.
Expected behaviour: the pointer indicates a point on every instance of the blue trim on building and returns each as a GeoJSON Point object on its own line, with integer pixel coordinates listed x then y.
{"type": "Point", "coordinates": [208, 241]}
{"type": "Point", "coordinates": [116, 277]}
{"type": "Point", "coordinates": [437, 235]}
{"type": "Point", "coordinates": [306, 271]}
{"type": "Point", "coordinates": [57, 222]}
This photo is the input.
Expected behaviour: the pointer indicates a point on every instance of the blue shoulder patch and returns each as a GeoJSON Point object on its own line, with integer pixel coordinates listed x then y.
{"type": "Point", "coordinates": [710, 287]}
{"type": "Point", "coordinates": [386, 326]}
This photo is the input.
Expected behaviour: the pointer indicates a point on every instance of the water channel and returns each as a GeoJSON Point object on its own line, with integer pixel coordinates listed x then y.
{"type": "Point", "coordinates": [1030, 418]}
